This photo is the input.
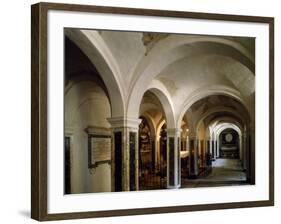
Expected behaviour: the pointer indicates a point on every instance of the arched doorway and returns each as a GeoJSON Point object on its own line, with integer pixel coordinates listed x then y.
{"type": "Point", "coordinates": [152, 144]}
{"type": "Point", "coordinates": [87, 131]}
{"type": "Point", "coordinates": [217, 157]}
{"type": "Point", "coordinates": [146, 153]}
{"type": "Point", "coordinates": [152, 157]}
{"type": "Point", "coordinates": [203, 79]}
{"type": "Point", "coordinates": [229, 144]}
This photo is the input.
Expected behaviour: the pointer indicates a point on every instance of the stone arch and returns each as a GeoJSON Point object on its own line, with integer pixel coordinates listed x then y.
{"type": "Point", "coordinates": [222, 123]}
{"type": "Point", "coordinates": [157, 88]}
{"type": "Point", "coordinates": [191, 126]}
{"type": "Point", "coordinates": [230, 120]}
{"type": "Point", "coordinates": [208, 91]}
{"type": "Point", "coordinates": [146, 71]}
{"type": "Point", "coordinates": [220, 109]}
{"type": "Point", "coordinates": [221, 127]}
{"type": "Point", "coordinates": [166, 45]}
{"type": "Point", "coordinates": [225, 119]}
{"type": "Point", "coordinates": [224, 126]}
{"type": "Point", "coordinates": [159, 126]}
{"type": "Point", "coordinates": [80, 100]}
{"type": "Point", "coordinates": [150, 123]}
{"type": "Point", "coordinates": [96, 50]}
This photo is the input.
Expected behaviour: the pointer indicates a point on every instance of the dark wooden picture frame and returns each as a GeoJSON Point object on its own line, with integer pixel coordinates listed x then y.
{"type": "Point", "coordinates": [39, 108]}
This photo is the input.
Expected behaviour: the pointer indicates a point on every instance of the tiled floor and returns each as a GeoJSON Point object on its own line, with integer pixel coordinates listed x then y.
{"type": "Point", "coordinates": [224, 172]}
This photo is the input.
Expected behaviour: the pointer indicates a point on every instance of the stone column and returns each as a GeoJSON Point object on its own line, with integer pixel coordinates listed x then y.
{"type": "Point", "coordinates": [245, 149]}
{"type": "Point", "coordinates": [173, 158]}
{"type": "Point", "coordinates": [193, 157]}
{"type": "Point", "coordinates": [252, 153]}
{"type": "Point", "coordinates": [203, 151]}
{"type": "Point", "coordinates": [218, 147]}
{"type": "Point", "coordinates": [208, 153]}
{"type": "Point", "coordinates": [213, 149]}
{"type": "Point", "coordinates": [125, 153]}
{"type": "Point", "coordinates": [199, 150]}
{"type": "Point", "coordinates": [187, 143]}
{"type": "Point", "coordinates": [249, 156]}
{"type": "Point", "coordinates": [252, 142]}
{"type": "Point", "coordinates": [241, 148]}
{"type": "Point", "coordinates": [153, 152]}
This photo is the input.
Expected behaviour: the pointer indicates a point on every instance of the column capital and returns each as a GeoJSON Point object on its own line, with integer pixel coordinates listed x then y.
{"type": "Point", "coordinates": [68, 130]}
{"type": "Point", "coordinates": [121, 122]}
{"type": "Point", "coordinates": [174, 131]}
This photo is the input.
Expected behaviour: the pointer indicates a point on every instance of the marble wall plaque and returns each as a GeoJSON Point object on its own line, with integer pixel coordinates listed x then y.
{"type": "Point", "coordinates": [99, 150]}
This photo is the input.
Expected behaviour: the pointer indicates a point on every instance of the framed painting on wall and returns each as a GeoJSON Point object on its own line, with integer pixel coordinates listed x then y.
{"type": "Point", "coordinates": [153, 111]}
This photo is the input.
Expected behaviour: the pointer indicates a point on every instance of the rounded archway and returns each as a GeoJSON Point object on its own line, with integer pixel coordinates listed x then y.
{"type": "Point", "coordinates": [97, 52]}
{"type": "Point", "coordinates": [213, 120]}
{"type": "Point", "coordinates": [172, 101]}
{"type": "Point", "coordinates": [229, 144]}
{"type": "Point", "coordinates": [85, 95]}
{"type": "Point", "coordinates": [152, 141]}
{"type": "Point", "coordinates": [184, 50]}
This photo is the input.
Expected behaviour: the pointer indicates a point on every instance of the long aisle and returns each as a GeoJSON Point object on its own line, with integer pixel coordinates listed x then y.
{"type": "Point", "coordinates": [224, 172]}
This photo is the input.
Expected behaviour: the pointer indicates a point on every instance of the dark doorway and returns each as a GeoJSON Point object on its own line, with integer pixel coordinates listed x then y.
{"type": "Point", "coordinates": [118, 161]}
{"type": "Point", "coordinates": [229, 144]}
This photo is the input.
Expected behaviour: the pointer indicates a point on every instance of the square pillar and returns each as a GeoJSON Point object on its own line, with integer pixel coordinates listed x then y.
{"type": "Point", "coordinates": [125, 155]}
{"type": "Point", "coordinates": [173, 158]}
{"type": "Point", "coordinates": [209, 155]}
{"type": "Point", "coordinates": [213, 149]}
{"type": "Point", "coordinates": [193, 158]}
{"type": "Point", "coordinates": [249, 156]}
{"type": "Point", "coordinates": [218, 148]}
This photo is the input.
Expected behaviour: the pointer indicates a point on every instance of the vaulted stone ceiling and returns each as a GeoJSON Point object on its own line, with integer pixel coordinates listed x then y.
{"type": "Point", "coordinates": [206, 61]}
{"type": "Point", "coordinates": [184, 65]}
{"type": "Point", "coordinates": [210, 102]}
{"type": "Point", "coordinates": [198, 64]}
{"type": "Point", "coordinates": [217, 107]}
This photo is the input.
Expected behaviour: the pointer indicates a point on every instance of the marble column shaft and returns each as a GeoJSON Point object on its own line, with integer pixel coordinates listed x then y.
{"type": "Point", "coordinates": [193, 157]}
{"type": "Point", "coordinates": [128, 129]}
{"type": "Point", "coordinates": [173, 158]}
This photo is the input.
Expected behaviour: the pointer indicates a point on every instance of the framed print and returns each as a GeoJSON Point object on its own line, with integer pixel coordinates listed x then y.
{"type": "Point", "coordinates": [138, 111]}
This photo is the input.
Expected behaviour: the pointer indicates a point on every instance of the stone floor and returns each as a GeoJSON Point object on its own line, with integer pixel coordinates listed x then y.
{"type": "Point", "coordinates": [224, 172]}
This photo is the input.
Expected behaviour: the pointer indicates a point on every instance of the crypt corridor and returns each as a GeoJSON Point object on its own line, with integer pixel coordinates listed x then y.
{"type": "Point", "coordinates": [155, 111]}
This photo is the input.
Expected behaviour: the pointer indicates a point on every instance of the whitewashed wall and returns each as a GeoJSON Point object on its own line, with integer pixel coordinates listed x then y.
{"type": "Point", "coordinates": [86, 105]}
